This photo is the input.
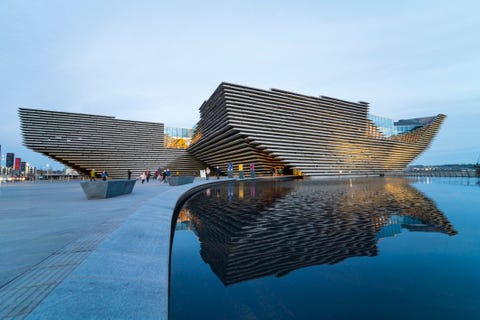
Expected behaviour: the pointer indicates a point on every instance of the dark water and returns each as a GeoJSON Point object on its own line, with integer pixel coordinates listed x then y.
{"type": "Point", "coordinates": [380, 248]}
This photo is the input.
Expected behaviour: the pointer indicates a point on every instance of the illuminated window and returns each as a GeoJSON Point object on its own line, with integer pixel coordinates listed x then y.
{"type": "Point", "coordinates": [179, 138]}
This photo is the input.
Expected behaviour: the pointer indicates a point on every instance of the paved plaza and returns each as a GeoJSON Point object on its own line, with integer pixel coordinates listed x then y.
{"type": "Point", "coordinates": [65, 257]}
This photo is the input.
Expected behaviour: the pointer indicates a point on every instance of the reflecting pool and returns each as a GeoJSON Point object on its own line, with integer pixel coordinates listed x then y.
{"type": "Point", "coordinates": [379, 248]}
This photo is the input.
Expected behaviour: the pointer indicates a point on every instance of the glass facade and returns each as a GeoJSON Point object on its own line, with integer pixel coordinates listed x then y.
{"type": "Point", "coordinates": [385, 125]}
{"type": "Point", "coordinates": [404, 129]}
{"type": "Point", "coordinates": [179, 132]}
{"type": "Point", "coordinates": [390, 128]}
{"type": "Point", "coordinates": [179, 138]}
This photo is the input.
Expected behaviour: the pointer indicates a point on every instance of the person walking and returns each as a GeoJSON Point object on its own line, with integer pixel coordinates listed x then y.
{"type": "Point", "coordinates": [164, 176]}
{"type": "Point", "coordinates": [143, 177]}
{"type": "Point", "coordinates": [104, 175]}
{"type": "Point", "coordinates": [207, 172]}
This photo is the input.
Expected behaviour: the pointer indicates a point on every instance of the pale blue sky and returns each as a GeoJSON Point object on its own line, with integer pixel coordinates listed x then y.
{"type": "Point", "coordinates": [158, 60]}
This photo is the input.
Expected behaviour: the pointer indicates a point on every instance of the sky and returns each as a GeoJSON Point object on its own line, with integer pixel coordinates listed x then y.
{"type": "Point", "coordinates": [159, 60]}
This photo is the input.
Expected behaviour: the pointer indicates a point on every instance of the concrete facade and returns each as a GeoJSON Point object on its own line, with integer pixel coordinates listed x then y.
{"type": "Point", "coordinates": [84, 142]}
{"type": "Point", "coordinates": [318, 136]}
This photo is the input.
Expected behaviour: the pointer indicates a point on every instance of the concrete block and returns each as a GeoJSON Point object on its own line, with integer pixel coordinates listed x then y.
{"type": "Point", "coordinates": [179, 180]}
{"type": "Point", "coordinates": [107, 189]}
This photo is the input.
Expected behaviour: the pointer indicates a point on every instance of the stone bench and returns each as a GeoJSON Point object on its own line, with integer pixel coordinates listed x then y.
{"type": "Point", "coordinates": [179, 180]}
{"type": "Point", "coordinates": [107, 189]}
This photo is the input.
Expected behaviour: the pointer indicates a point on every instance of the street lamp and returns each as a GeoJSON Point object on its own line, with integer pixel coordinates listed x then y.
{"type": "Point", "coordinates": [47, 166]}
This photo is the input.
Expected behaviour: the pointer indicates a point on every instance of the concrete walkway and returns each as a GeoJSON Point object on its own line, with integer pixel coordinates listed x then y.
{"type": "Point", "coordinates": [65, 257]}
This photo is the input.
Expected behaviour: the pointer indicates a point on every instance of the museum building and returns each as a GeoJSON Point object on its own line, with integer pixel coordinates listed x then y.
{"type": "Point", "coordinates": [242, 126]}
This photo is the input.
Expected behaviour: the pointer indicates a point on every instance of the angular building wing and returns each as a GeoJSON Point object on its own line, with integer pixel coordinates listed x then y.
{"type": "Point", "coordinates": [314, 135]}
{"type": "Point", "coordinates": [84, 142]}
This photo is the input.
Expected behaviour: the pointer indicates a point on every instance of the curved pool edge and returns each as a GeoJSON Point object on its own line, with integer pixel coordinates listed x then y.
{"type": "Point", "coordinates": [127, 275]}
{"type": "Point", "coordinates": [190, 192]}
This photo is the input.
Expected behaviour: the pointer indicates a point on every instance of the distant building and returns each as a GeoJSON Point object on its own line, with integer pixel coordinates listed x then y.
{"type": "Point", "coordinates": [17, 163]}
{"type": "Point", "coordinates": [272, 129]}
{"type": "Point", "coordinates": [9, 161]}
{"type": "Point", "coordinates": [23, 166]}
{"type": "Point", "coordinates": [71, 172]}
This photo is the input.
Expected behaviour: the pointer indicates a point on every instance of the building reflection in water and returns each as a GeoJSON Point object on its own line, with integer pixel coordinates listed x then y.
{"type": "Point", "coordinates": [254, 229]}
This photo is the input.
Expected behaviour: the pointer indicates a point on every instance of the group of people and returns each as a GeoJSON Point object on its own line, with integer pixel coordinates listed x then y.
{"type": "Point", "coordinates": [160, 175]}
{"type": "Point", "coordinates": [218, 172]}
{"type": "Point", "coordinates": [93, 175]}
{"type": "Point", "coordinates": [276, 172]}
